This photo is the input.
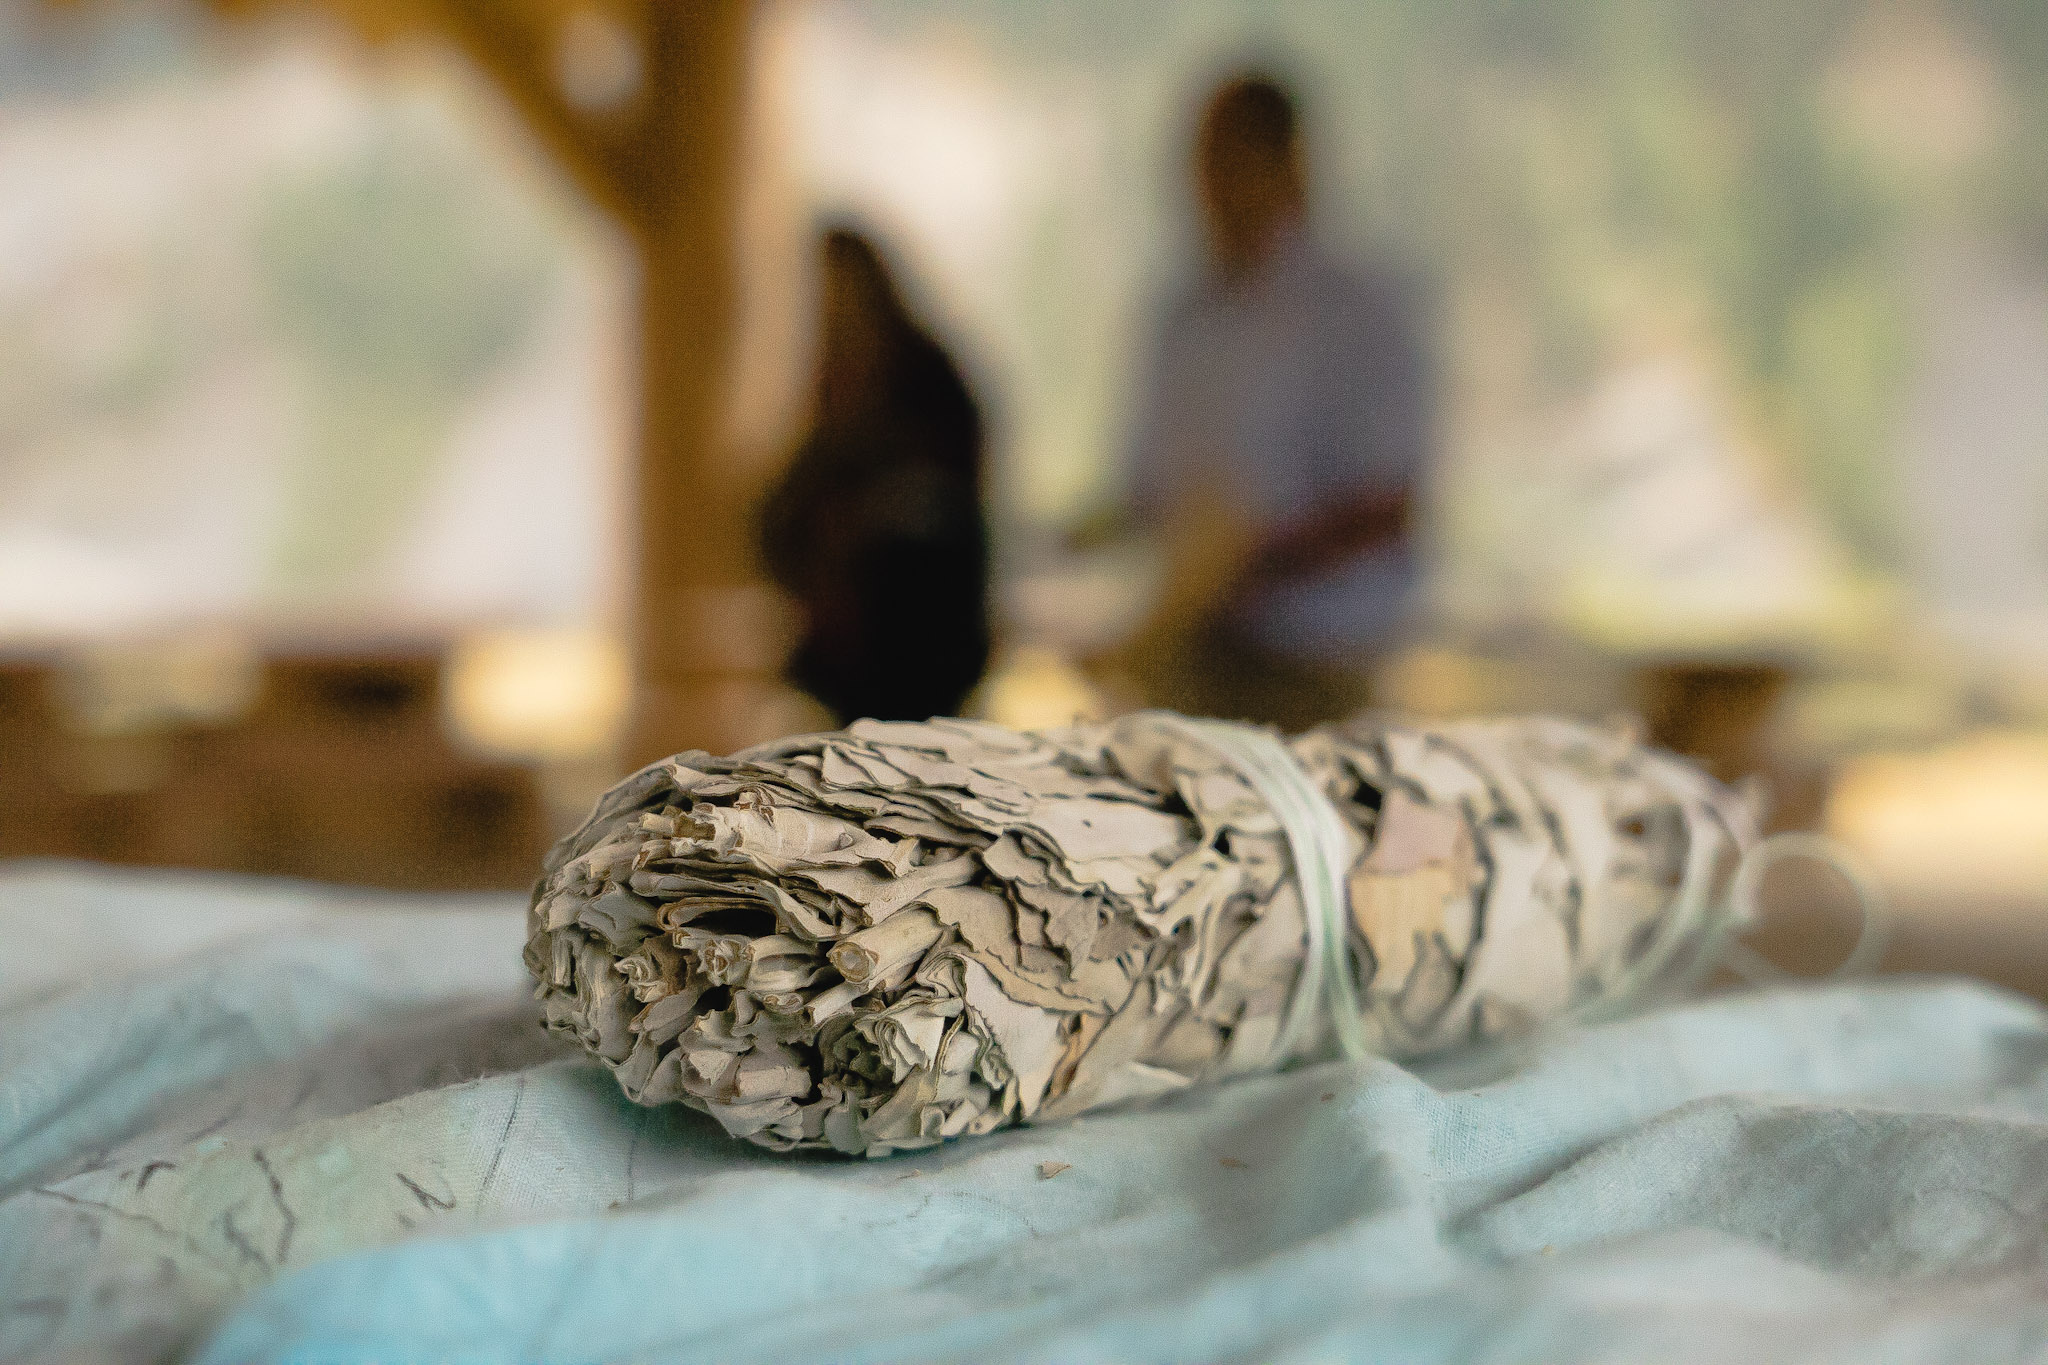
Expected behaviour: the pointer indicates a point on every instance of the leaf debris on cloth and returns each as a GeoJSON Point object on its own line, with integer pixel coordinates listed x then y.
{"type": "Point", "coordinates": [884, 937]}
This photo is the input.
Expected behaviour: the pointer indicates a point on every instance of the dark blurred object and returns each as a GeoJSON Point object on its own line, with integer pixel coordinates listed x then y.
{"type": "Point", "coordinates": [35, 819]}
{"type": "Point", "coordinates": [1713, 710]}
{"type": "Point", "coordinates": [343, 774]}
{"type": "Point", "coordinates": [876, 529]}
{"type": "Point", "coordinates": [340, 771]}
{"type": "Point", "coordinates": [1290, 393]}
{"type": "Point", "coordinates": [1725, 714]}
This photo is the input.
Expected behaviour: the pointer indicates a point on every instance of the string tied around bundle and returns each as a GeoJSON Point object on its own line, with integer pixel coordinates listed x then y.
{"type": "Point", "coordinates": [1698, 932]}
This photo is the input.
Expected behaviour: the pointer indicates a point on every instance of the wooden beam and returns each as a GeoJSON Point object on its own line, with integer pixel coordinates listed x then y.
{"type": "Point", "coordinates": [708, 636]}
{"type": "Point", "coordinates": [516, 46]}
{"type": "Point", "coordinates": [706, 639]}
{"type": "Point", "coordinates": [515, 43]}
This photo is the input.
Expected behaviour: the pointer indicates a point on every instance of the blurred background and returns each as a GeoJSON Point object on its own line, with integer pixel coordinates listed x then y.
{"type": "Point", "coordinates": [390, 391]}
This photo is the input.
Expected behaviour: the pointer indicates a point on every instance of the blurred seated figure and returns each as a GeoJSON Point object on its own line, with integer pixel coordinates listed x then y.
{"type": "Point", "coordinates": [876, 528]}
{"type": "Point", "coordinates": [1279, 446]}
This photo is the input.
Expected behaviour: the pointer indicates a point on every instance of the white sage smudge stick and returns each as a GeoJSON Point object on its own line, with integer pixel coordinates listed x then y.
{"type": "Point", "coordinates": [884, 937]}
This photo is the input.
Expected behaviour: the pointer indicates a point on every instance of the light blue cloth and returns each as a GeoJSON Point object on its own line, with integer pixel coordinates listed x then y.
{"type": "Point", "coordinates": [268, 1122]}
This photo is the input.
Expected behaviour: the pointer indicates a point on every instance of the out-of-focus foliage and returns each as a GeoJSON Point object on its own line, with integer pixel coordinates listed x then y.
{"type": "Point", "coordinates": [403, 266]}
{"type": "Point", "coordinates": [406, 273]}
{"type": "Point", "coordinates": [289, 330]}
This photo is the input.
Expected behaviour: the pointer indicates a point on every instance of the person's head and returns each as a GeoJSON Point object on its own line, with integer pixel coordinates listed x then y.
{"type": "Point", "coordinates": [1248, 170]}
{"type": "Point", "coordinates": [861, 317]}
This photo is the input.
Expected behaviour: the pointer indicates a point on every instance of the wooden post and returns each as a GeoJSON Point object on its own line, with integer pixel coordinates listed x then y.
{"type": "Point", "coordinates": [708, 635]}
{"type": "Point", "coordinates": [706, 639]}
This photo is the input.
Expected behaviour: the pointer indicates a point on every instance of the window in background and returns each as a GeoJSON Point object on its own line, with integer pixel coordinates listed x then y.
{"type": "Point", "coordinates": [315, 388]}
{"type": "Point", "coordinates": [294, 338]}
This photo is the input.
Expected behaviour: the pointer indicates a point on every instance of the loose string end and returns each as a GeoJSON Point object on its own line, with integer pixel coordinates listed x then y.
{"type": "Point", "coordinates": [1873, 933]}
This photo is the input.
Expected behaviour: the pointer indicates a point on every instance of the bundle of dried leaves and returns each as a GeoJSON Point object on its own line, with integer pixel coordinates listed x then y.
{"type": "Point", "coordinates": [881, 938]}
